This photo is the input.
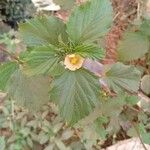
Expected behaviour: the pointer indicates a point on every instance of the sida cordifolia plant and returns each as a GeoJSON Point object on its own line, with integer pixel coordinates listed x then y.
{"type": "Point", "coordinates": [53, 67]}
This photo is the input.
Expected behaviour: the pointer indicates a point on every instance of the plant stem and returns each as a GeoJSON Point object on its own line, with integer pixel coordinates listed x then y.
{"type": "Point", "coordinates": [139, 136]}
{"type": "Point", "coordinates": [138, 133]}
{"type": "Point", "coordinates": [11, 55]}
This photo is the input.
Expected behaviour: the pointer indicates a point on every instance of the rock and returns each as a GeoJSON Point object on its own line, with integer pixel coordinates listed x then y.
{"type": "Point", "coordinates": [131, 144]}
{"type": "Point", "coordinates": [46, 5]}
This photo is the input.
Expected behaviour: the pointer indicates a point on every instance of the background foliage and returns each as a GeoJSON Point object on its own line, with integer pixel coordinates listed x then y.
{"type": "Point", "coordinates": [99, 107]}
{"type": "Point", "coordinates": [13, 11]}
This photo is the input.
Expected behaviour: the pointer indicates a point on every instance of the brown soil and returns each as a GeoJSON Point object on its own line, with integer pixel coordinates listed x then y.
{"type": "Point", "coordinates": [125, 12]}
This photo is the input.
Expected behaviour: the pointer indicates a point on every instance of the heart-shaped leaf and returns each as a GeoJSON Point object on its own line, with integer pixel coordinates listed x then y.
{"type": "Point", "coordinates": [43, 31]}
{"type": "Point", "coordinates": [145, 84]}
{"type": "Point", "coordinates": [134, 45]}
{"type": "Point", "coordinates": [123, 77]}
{"type": "Point", "coordinates": [43, 60]}
{"type": "Point", "coordinates": [76, 94]}
{"type": "Point", "coordinates": [29, 92]}
{"type": "Point", "coordinates": [90, 21]}
{"type": "Point", "coordinates": [6, 70]}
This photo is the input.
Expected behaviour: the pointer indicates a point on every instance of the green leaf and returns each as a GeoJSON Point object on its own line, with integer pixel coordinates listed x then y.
{"type": "Point", "coordinates": [100, 128]}
{"type": "Point", "coordinates": [43, 138]}
{"type": "Point", "coordinates": [43, 31]}
{"type": "Point", "coordinates": [113, 106]}
{"type": "Point", "coordinates": [145, 84]}
{"type": "Point", "coordinates": [65, 4]}
{"type": "Point", "coordinates": [30, 142]}
{"type": "Point", "coordinates": [134, 45]}
{"type": "Point", "coordinates": [123, 77]}
{"type": "Point", "coordinates": [6, 70]}
{"type": "Point", "coordinates": [29, 92]}
{"type": "Point", "coordinates": [43, 60]}
{"type": "Point", "coordinates": [90, 51]}
{"type": "Point", "coordinates": [89, 137]}
{"type": "Point", "coordinates": [146, 138]}
{"type": "Point", "coordinates": [132, 100]}
{"type": "Point", "coordinates": [145, 27]}
{"type": "Point", "coordinates": [90, 21]}
{"type": "Point", "coordinates": [132, 132]}
{"type": "Point", "coordinates": [144, 134]}
{"type": "Point", "coordinates": [2, 143]}
{"type": "Point", "coordinates": [114, 125]}
{"type": "Point", "coordinates": [76, 94]}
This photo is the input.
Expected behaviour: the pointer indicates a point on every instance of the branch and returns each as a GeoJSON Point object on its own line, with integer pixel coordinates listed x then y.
{"type": "Point", "coordinates": [11, 55]}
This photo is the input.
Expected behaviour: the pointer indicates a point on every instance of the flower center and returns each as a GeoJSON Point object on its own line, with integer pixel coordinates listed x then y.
{"type": "Point", "coordinates": [74, 59]}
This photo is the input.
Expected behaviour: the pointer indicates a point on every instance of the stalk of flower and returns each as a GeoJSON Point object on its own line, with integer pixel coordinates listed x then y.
{"type": "Point", "coordinates": [73, 62]}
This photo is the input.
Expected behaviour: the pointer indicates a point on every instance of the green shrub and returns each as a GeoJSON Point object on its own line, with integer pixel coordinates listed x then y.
{"type": "Point", "coordinates": [13, 11]}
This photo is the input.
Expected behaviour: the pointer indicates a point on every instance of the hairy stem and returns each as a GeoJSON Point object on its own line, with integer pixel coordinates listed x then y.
{"type": "Point", "coordinates": [12, 56]}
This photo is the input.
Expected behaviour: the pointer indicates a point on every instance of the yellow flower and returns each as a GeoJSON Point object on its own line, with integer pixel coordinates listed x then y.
{"type": "Point", "coordinates": [73, 62]}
